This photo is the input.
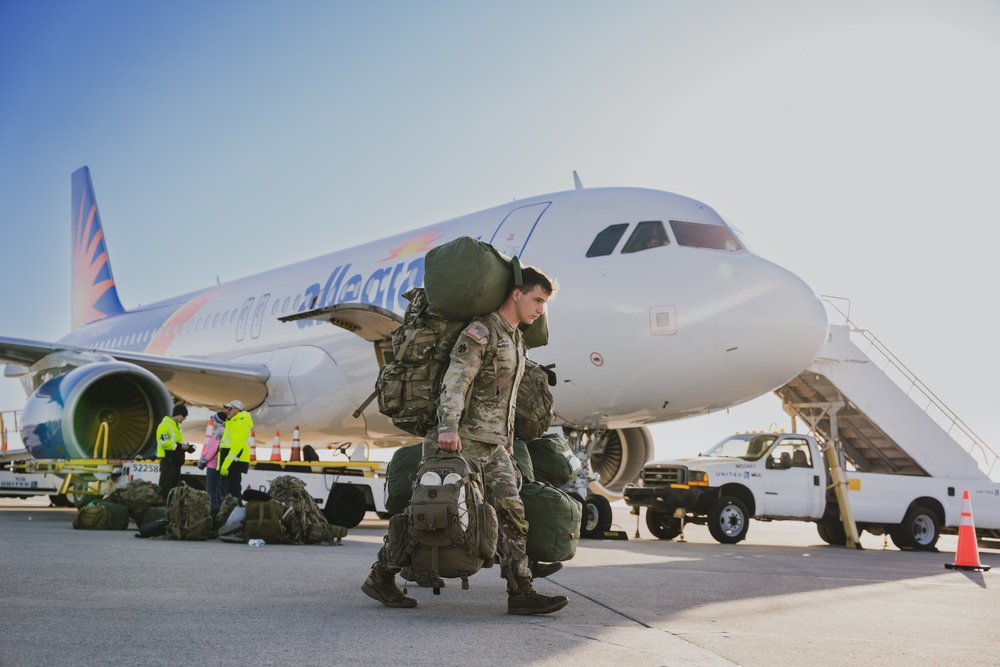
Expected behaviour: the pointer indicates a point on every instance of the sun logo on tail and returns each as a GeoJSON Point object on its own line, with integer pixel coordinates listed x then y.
{"type": "Point", "coordinates": [94, 293]}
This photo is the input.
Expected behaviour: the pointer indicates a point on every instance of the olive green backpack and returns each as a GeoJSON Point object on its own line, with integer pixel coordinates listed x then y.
{"type": "Point", "coordinates": [189, 514]}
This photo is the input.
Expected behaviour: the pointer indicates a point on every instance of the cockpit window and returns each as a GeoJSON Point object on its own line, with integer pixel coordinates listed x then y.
{"type": "Point", "coordinates": [698, 235]}
{"type": "Point", "coordinates": [647, 235]}
{"type": "Point", "coordinates": [606, 241]}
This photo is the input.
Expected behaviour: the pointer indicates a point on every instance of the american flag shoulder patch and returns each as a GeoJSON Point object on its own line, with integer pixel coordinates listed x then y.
{"type": "Point", "coordinates": [476, 333]}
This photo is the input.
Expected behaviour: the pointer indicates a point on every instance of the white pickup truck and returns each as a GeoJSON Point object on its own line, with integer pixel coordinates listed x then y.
{"type": "Point", "coordinates": [772, 476]}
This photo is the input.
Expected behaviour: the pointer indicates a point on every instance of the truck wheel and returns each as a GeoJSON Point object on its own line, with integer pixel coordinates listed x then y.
{"type": "Point", "coordinates": [728, 520]}
{"type": "Point", "coordinates": [597, 516]}
{"type": "Point", "coordinates": [346, 506]}
{"type": "Point", "coordinates": [832, 533]}
{"type": "Point", "coordinates": [920, 529]}
{"type": "Point", "coordinates": [663, 524]}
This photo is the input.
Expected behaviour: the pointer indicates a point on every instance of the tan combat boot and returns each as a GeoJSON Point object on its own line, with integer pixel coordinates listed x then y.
{"type": "Point", "coordinates": [525, 600]}
{"type": "Point", "coordinates": [381, 585]}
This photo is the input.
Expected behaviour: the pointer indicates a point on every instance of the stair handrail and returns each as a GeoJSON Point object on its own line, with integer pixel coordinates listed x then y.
{"type": "Point", "coordinates": [990, 458]}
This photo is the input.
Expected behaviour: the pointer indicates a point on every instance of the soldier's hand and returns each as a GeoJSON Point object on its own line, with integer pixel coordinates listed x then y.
{"type": "Point", "coordinates": [449, 441]}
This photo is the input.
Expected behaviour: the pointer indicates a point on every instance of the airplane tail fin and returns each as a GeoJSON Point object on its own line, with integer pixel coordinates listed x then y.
{"type": "Point", "coordinates": [94, 293]}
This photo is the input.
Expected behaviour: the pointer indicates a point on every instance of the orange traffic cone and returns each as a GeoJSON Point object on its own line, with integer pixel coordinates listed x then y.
{"type": "Point", "coordinates": [276, 450]}
{"type": "Point", "coordinates": [967, 556]}
{"type": "Point", "coordinates": [296, 449]}
{"type": "Point", "coordinates": [253, 445]}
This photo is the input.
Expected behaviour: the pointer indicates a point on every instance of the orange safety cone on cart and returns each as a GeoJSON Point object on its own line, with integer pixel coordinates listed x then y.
{"type": "Point", "coordinates": [276, 450]}
{"type": "Point", "coordinates": [253, 445]}
{"type": "Point", "coordinates": [967, 556]}
{"type": "Point", "coordinates": [296, 454]}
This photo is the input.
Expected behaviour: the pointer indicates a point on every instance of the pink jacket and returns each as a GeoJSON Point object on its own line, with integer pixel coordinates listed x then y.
{"type": "Point", "coordinates": [212, 449]}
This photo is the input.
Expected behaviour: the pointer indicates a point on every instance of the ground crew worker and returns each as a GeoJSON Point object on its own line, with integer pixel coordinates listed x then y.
{"type": "Point", "coordinates": [476, 417]}
{"type": "Point", "coordinates": [234, 448]}
{"type": "Point", "coordinates": [170, 448]}
{"type": "Point", "coordinates": [209, 462]}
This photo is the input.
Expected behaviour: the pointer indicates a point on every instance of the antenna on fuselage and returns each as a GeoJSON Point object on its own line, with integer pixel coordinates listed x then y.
{"type": "Point", "coordinates": [576, 181]}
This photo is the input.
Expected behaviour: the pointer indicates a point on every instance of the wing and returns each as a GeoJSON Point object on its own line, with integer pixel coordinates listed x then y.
{"type": "Point", "coordinates": [196, 381]}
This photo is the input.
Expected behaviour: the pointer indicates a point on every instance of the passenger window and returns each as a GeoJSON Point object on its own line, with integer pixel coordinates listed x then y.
{"type": "Point", "coordinates": [647, 235]}
{"type": "Point", "coordinates": [606, 241]}
{"type": "Point", "coordinates": [699, 235]}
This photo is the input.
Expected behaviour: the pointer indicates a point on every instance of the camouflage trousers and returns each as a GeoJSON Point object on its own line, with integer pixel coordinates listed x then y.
{"type": "Point", "coordinates": [502, 480]}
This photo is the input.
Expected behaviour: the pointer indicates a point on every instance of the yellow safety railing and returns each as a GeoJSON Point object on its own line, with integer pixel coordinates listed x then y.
{"type": "Point", "coordinates": [101, 432]}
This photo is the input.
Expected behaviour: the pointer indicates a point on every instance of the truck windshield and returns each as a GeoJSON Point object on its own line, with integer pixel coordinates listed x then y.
{"type": "Point", "coordinates": [748, 446]}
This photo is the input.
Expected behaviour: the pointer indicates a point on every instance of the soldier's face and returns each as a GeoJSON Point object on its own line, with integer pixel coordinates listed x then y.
{"type": "Point", "coordinates": [530, 305]}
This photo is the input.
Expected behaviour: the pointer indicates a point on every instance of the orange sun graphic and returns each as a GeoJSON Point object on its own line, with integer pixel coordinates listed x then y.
{"type": "Point", "coordinates": [420, 243]}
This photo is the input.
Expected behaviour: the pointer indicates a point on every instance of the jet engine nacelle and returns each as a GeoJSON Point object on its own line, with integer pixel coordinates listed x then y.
{"type": "Point", "coordinates": [618, 459]}
{"type": "Point", "coordinates": [62, 419]}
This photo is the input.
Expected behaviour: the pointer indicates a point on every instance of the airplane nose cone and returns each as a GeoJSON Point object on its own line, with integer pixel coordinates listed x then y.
{"type": "Point", "coordinates": [775, 329]}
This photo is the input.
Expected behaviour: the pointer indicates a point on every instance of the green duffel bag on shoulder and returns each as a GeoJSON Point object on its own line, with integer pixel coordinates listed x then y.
{"type": "Point", "coordinates": [399, 477]}
{"type": "Point", "coordinates": [553, 522]}
{"type": "Point", "coordinates": [536, 334]}
{"type": "Point", "coordinates": [465, 278]}
{"type": "Point", "coordinates": [553, 459]}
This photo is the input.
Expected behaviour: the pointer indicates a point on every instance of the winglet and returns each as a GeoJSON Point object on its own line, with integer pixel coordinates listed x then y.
{"type": "Point", "coordinates": [576, 181]}
{"type": "Point", "coordinates": [94, 294]}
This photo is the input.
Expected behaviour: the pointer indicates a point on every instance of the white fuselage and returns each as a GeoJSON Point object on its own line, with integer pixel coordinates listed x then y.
{"type": "Point", "coordinates": [636, 338]}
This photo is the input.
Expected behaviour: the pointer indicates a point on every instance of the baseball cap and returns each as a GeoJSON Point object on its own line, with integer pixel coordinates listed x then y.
{"type": "Point", "coordinates": [234, 404]}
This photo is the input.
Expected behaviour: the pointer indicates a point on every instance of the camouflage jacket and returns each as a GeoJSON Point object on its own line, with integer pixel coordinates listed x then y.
{"type": "Point", "coordinates": [479, 389]}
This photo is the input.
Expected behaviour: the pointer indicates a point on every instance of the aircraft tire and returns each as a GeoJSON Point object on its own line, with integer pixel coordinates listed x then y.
{"type": "Point", "coordinates": [60, 500]}
{"type": "Point", "coordinates": [597, 516]}
{"type": "Point", "coordinates": [662, 525]}
{"type": "Point", "coordinates": [728, 520]}
{"type": "Point", "coordinates": [898, 538]}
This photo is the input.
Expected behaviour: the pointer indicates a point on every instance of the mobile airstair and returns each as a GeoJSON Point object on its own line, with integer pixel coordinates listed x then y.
{"type": "Point", "coordinates": [858, 395]}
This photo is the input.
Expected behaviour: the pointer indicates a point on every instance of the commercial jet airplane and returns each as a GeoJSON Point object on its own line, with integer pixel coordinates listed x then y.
{"type": "Point", "coordinates": [663, 313]}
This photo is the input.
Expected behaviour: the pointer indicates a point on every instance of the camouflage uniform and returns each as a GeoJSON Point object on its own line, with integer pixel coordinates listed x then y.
{"type": "Point", "coordinates": [478, 401]}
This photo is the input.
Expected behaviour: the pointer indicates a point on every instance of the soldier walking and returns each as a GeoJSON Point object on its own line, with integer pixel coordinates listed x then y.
{"type": "Point", "coordinates": [484, 431]}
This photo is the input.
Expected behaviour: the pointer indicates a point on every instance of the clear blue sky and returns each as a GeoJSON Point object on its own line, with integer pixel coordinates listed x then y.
{"type": "Point", "coordinates": [855, 143]}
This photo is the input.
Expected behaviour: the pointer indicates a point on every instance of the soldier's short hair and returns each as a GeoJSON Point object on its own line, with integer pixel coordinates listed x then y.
{"type": "Point", "coordinates": [533, 277]}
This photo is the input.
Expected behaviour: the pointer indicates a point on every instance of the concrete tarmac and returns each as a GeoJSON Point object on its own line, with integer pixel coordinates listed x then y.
{"type": "Point", "coordinates": [782, 597]}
